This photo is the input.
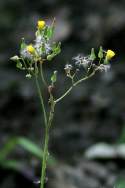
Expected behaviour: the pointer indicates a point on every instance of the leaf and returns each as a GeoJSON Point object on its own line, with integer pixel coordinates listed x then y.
{"type": "Point", "coordinates": [30, 147]}
{"type": "Point", "coordinates": [121, 138]}
{"type": "Point", "coordinates": [19, 65]}
{"type": "Point", "coordinates": [54, 77]}
{"type": "Point", "coordinates": [37, 33]}
{"type": "Point", "coordinates": [26, 144]}
{"type": "Point", "coordinates": [50, 57]}
{"type": "Point", "coordinates": [8, 147]}
{"type": "Point", "coordinates": [50, 32]}
{"type": "Point", "coordinates": [120, 183]}
{"type": "Point", "coordinates": [92, 55]}
{"type": "Point", "coordinates": [23, 44]}
{"type": "Point", "coordinates": [44, 31]}
{"type": "Point", "coordinates": [100, 53]}
{"type": "Point", "coordinates": [57, 48]}
{"type": "Point", "coordinates": [13, 164]}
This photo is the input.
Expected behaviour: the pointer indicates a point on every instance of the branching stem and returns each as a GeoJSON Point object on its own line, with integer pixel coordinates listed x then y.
{"type": "Point", "coordinates": [74, 84]}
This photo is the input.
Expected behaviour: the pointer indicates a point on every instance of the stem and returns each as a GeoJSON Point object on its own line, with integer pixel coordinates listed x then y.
{"type": "Point", "coordinates": [52, 110]}
{"type": "Point", "coordinates": [45, 152]}
{"type": "Point", "coordinates": [46, 139]}
{"type": "Point", "coordinates": [75, 84]}
{"type": "Point", "coordinates": [45, 156]}
{"type": "Point", "coordinates": [41, 74]}
{"type": "Point", "coordinates": [40, 96]}
{"type": "Point", "coordinates": [66, 93]}
{"type": "Point", "coordinates": [47, 126]}
{"type": "Point", "coordinates": [41, 100]}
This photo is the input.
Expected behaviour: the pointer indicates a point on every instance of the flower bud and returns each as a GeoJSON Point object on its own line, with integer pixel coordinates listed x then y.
{"type": "Point", "coordinates": [15, 58]}
{"type": "Point", "coordinates": [28, 76]}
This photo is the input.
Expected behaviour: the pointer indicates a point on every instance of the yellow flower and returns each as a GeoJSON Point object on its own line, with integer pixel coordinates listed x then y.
{"type": "Point", "coordinates": [110, 54]}
{"type": "Point", "coordinates": [41, 24]}
{"type": "Point", "coordinates": [30, 49]}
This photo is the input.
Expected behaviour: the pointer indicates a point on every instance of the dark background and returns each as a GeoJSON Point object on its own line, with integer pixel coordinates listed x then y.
{"type": "Point", "coordinates": [92, 113]}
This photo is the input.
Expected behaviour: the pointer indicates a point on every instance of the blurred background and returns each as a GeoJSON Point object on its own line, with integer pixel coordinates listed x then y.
{"type": "Point", "coordinates": [88, 135]}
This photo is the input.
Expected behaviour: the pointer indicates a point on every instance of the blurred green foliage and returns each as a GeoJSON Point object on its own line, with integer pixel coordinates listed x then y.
{"type": "Point", "coordinates": [24, 143]}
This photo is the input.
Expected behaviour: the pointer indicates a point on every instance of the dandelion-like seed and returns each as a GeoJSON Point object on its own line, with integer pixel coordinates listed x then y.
{"type": "Point", "coordinates": [104, 68]}
{"type": "Point", "coordinates": [85, 62]}
{"type": "Point", "coordinates": [82, 61]}
{"type": "Point", "coordinates": [68, 68]}
{"type": "Point", "coordinates": [25, 54]}
{"type": "Point", "coordinates": [78, 60]}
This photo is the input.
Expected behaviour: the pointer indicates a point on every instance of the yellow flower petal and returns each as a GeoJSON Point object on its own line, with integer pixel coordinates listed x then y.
{"type": "Point", "coordinates": [41, 24]}
{"type": "Point", "coordinates": [30, 49]}
{"type": "Point", "coordinates": [110, 54]}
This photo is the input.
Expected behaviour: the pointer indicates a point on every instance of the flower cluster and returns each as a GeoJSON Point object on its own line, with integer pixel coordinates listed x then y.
{"type": "Point", "coordinates": [41, 50]}
{"type": "Point", "coordinates": [90, 63]}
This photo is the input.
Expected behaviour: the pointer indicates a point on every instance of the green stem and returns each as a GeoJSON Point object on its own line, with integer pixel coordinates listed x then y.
{"type": "Point", "coordinates": [45, 152]}
{"type": "Point", "coordinates": [41, 74]}
{"type": "Point", "coordinates": [41, 100]}
{"type": "Point", "coordinates": [47, 127]}
{"type": "Point", "coordinates": [74, 84]}
{"type": "Point", "coordinates": [44, 159]}
{"type": "Point", "coordinates": [52, 110]}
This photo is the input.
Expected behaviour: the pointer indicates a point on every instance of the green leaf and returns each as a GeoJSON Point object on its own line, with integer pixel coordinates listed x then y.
{"type": "Point", "coordinates": [50, 32]}
{"type": "Point", "coordinates": [54, 77]}
{"type": "Point", "coordinates": [44, 31]}
{"type": "Point", "coordinates": [57, 48]}
{"type": "Point", "coordinates": [8, 147]}
{"type": "Point", "coordinates": [37, 33]}
{"type": "Point", "coordinates": [121, 138]}
{"type": "Point", "coordinates": [26, 144]}
{"type": "Point", "coordinates": [100, 53]}
{"type": "Point", "coordinates": [120, 183]}
{"type": "Point", "coordinates": [92, 55]}
{"type": "Point", "coordinates": [19, 65]}
{"type": "Point", "coordinates": [23, 44]}
{"type": "Point", "coordinates": [12, 164]}
{"type": "Point", "coordinates": [50, 57]}
{"type": "Point", "coordinates": [30, 147]}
